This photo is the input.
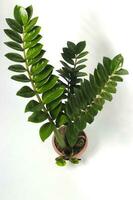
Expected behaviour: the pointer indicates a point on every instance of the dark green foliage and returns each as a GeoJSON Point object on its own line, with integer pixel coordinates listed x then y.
{"type": "Point", "coordinates": [26, 92]}
{"type": "Point", "coordinates": [83, 98]}
{"type": "Point", "coordinates": [46, 130]}
{"type": "Point", "coordinates": [73, 57]}
{"type": "Point", "coordinates": [84, 104]}
{"type": "Point", "coordinates": [37, 117]}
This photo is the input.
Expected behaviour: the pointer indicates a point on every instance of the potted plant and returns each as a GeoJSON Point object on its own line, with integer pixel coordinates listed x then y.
{"type": "Point", "coordinates": [64, 104]}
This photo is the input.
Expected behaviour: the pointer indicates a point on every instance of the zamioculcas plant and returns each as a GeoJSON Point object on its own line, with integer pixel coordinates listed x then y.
{"type": "Point", "coordinates": [65, 105]}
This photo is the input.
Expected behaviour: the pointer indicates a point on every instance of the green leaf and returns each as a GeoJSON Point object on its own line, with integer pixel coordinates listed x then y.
{"type": "Point", "coordinates": [33, 34]}
{"type": "Point", "coordinates": [33, 42]}
{"type": "Point", "coordinates": [82, 54]}
{"type": "Point", "coordinates": [117, 62]}
{"type": "Point", "coordinates": [52, 94]}
{"type": "Point", "coordinates": [102, 72]}
{"type": "Point", "coordinates": [29, 10]}
{"type": "Point", "coordinates": [122, 72]}
{"type": "Point", "coordinates": [71, 46]}
{"type": "Point", "coordinates": [54, 104]}
{"type": "Point", "coordinates": [20, 78]}
{"type": "Point", "coordinates": [37, 58]}
{"type": "Point", "coordinates": [61, 120]}
{"type": "Point", "coordinates": [13, 35]}
{"type": "Point", "coordinates": [72, 134]}
{"type": "Point", "coordinates": [23, 15]}
{"type": "Point", "coordinates": [106, 96]}
{"type": "Point", "coordinates": [81, 61]}
{"type": "Point", "coordinates": [15, 57]}
{"type": "Point", "coordinates": [68, 53]}
{"type": "Point", "coordinates": [107, 65]}
{"type": "Point", "coordinates": [14, 25]}
{"type": "Point", "coordinates": [26, 92]}
{"type": "Point", "coordinates": [69, 60]}
{"type": "Point", "coordinates": [54, 113]}
{"type": "Point", "coordinates": [39, 67]}
{"type": "Point", "coordinates": [44, 74]}
{"type": "Point", "coordinates": [33, 106]}
{"type": "Point", "coordinates": [34, 51]}
{"type": "Point", "coordinates": [41, 83]}
{"type": "Point", "coordinates": [49, 85]}
{"type": "Point", "coordinates": [117, 78]}
{"type": "Point", "coordinates": [80, 67]}
{"type": "Point", "coordinates": [74, 160]}
{"type": "Point", "coordinates": [30, 25]}
{"type": "Point", "coordinates": [46, 130]}
{"type": "Point", "coordinates": [89, 117]}
{"type": "Point", "coordinates": [80, 123]}
{"type": "Point", "coordinates": [60, 161]}
{"type": "Point", "coordinates": [111, 84]}
{"type": "Point", "coordinates": [14, 45]}
{"type": "Point", "coordinates": [80, 47]}
{"type": "Point", "coordinates": [17, 14]}
{"type": "Point", "coordinates": [17, 68]}
{"type": "Point", "coordinates": [38, 117]}
{"type": "Point", "coordinates": [110, 89]}
{"type": "Point", "coordinates": [80, 74]}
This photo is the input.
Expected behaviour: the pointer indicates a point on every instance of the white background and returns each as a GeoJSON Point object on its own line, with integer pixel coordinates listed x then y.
{"type": "Point", "coordinates": [27, 168]}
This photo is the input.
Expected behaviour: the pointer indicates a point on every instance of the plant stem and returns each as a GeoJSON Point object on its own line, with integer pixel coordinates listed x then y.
{"type": "Point", "coordinates": [58, 136]}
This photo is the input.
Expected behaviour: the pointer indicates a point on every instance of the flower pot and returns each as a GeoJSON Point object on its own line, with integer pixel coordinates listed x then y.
{"type": "Point", "coordinates": [76, 155]}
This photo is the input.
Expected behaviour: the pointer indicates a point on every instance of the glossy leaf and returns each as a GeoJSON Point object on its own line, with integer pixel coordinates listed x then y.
{"type": "Point", "coordinates": [26, 92]}
{"type": "Point", "coordinates": [45, 73]}
{"type": "Point", "coordinates": [117, 78]}
{"type": "Point", "coordinates": [17, 68]}
{"type": "Point", "coordinates": [14, 25]}
{"type": "Point", "coordinates": [80, 47]}
{"type": "Point", "coordinates": [14, 45]}
{"type": "Point", "coordinates": [49, 85]}
{"type": "Point", "coordinates": [37, 117]}
{"type": "Point", "coordinates": [37, 58]}
{"type": "Point", "coordinates": [61, 120]}
{"type": "Point", "coordinates": [34, 51]}
{"type": "Point", "coordinates": [17, 14]}
{"type": "Point", "coordinates": [20, 78]}
{"type": "Point", "coordinates": [107, 65]}
{"type": "Point", "coordinates": [81, 55]}
{"type": "Point", "coordinates": [69, 60]}
{"type": "Point", "coordinates": [122, 72]}
{"type": "Point", "coordinates": [117, 62]}
{"type": "Point", "coordinates": [33, 42]}
{"type": "Point", "coordinates": [80, 74]}
{"type": "Point", "coordinates": [15, 57]}
{"type": "Point", "coordinates": [72, 135]}
{"type": "Point", "coordinates": [32, 35]}
{"type": "Point", "coordinates": [52, 105]}
{"type": "Point", "coordinates": [39, 67]}
{"type": "Point", "coordinates": [68, 53]}
{"type": "Point", "coordinates": [31, 24]}
{"type": "Point", "coordinates": [46, 130]}
{"type": "Point", "coordinates": [24, 15]}
{"type": "Point", "coordinates": [33, 106]}
{"type": "Point", "coordinates": [71, 46]}
{"type": "Point", "coordinates": [52, 94]}
{"type": "Point", "coordinates": [29, 10]}
{"type": "Point", "coordinates": [80, 67]}
{"type": "Point", "coordinates": [106, 96]}
{"type": "Point", "coordinates": [13, 35]}
{"type": "Point", "coordinates": [81, 61]}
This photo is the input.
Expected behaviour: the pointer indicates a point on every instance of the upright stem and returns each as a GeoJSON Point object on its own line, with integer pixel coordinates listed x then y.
{"type": "Point", "coordinates": [58, 136]}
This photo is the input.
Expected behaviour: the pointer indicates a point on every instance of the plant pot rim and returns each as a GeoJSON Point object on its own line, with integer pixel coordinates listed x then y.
{"type": "Point", "coordinates": [77, 155]}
